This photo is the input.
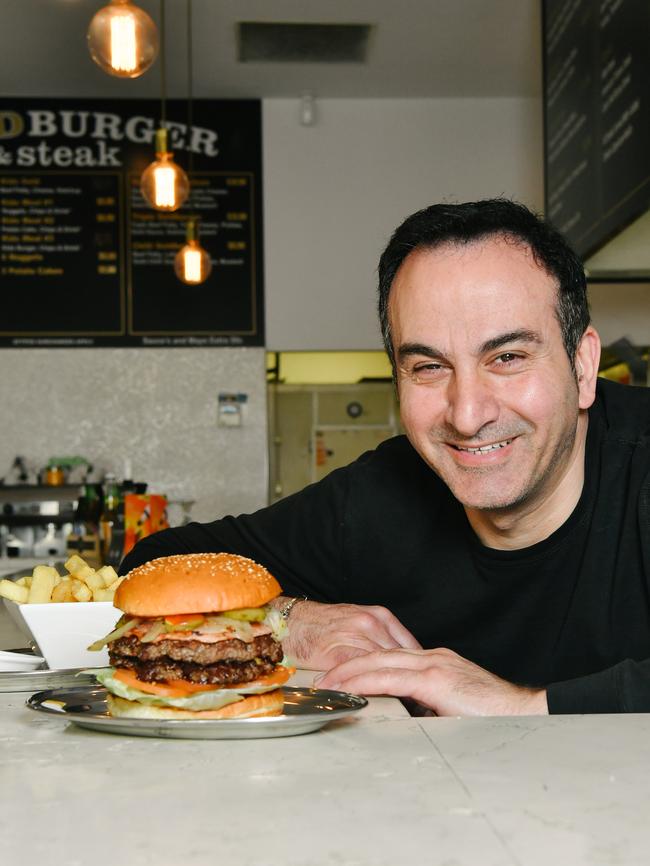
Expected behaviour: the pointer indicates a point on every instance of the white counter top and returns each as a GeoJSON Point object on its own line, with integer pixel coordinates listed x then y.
{"type": "Point", "coordinates": [381, 789]}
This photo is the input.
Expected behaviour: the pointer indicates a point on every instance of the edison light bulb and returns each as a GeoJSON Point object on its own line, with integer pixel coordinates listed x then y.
{"type": "Point", "coordinates": [164, 184]}
{"type": "Point", "coordinates": [192, 263]}
{"type": "Point", "coordinates": [123, 39]}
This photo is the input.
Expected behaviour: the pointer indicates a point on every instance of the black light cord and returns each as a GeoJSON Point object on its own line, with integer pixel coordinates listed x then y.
{"type": "Point", "coordinates": [163, 81]}
{"type": "Point", "coordinates": [190, 102]}
{"type": "Point", "coordinates": [190, 76]}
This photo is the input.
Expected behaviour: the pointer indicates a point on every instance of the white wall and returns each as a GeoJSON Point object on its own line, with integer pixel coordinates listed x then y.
{"type": "Point", "coordinates": [335, 191]}
{"type": "Point", "coordinates": [621, 310]}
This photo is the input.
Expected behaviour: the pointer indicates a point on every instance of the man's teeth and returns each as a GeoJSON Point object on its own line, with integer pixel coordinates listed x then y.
{"type": "Point", "coordinates": [483, 449]}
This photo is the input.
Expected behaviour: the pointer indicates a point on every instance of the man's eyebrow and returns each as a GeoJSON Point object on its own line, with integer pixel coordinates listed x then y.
{"type": "Point", "coordinates": [407, 349]}
{"type": "Point", "coordinates": [520, 336]}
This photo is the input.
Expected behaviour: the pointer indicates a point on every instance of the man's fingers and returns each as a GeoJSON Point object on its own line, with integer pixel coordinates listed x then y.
{"type": "Point", "coordinates": [345, 647]}
{"type": "Point", "coordinates": [338, 654]}
{"type": "Point", "coordinates": [400, 682]}
{"type": "Point", "coordinates": [322, 636]}
{"type": "Point", "coordinates": [364, 627]}
{"type": "Point", "coordinates": [371, 662]}
{"type": "Point", "coordinates": [400, 634]}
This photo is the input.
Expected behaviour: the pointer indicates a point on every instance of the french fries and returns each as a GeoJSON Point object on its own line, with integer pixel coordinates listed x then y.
{"type": "Point", "coordinates": [45, 584]}
{"type": "Point", "coordinates": [14, 592]}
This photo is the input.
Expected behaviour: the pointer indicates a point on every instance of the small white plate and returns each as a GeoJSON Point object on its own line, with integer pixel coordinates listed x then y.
{"type": "Point", "coordinates": [19, 661]}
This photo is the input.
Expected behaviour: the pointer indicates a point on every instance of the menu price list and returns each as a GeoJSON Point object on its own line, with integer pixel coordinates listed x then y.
{"type": "Point", "coordinates": [60, 258]}
{"type": "Point", "coordinates": [226, 300]}
{"type": "Point", "coordinates": [597, 85]}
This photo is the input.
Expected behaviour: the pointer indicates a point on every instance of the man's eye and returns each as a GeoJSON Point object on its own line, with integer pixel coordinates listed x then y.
{"type": "Point", "coordinates": [508, 359]}
{"type": "Point", "coordinates": [426, 372]}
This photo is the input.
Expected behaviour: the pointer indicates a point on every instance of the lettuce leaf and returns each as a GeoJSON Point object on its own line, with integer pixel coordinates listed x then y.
{"type": "Point", "coordinates": [277, 623]}
{"type": "Point", "coordinates": [212, 700]}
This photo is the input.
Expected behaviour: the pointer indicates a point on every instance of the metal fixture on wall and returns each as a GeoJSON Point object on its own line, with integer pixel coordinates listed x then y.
{"type": "Point", "coordinates": [123, 39]}
{"type": "Point", "coordinates": [307, 109]}
{"type": "Point", "coordinates": [164, 184]}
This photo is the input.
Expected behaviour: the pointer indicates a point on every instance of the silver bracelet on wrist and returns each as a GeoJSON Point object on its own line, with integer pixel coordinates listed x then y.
{"type": "Point", "coordinates": [289, 606]}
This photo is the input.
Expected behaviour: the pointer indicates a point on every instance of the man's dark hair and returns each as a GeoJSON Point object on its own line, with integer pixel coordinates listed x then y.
{"type": "Point", "coordinates": [471, 221]}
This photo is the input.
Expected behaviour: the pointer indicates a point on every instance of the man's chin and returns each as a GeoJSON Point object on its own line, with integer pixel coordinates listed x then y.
{"type": "Point", "coordinates": [489, 500]}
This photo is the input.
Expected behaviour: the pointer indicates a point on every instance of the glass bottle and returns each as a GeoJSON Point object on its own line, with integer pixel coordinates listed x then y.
{"type": "Point", "coordinates": [113, 509]}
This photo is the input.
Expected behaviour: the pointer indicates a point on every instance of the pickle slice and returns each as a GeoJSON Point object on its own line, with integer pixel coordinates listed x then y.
{"type": "Point", "coordinates": [157, 627]}
{"type": "Point", "coordinates": [189, 624]}
{"type": "Point", "coordinates": [122, 626]}
{"type": "Point", "coordinates": [246, 614]}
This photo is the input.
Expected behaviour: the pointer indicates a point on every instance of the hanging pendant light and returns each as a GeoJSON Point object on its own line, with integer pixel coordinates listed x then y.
{"type": "Point", "coordinates": [192, 263]}
{"type": "Point", "coordinates": [164, 184]}
{"type": "Point", "coordinates": [123, 39]}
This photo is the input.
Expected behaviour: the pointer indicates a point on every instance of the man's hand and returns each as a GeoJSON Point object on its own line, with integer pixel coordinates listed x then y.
{"type": "Point", "coordinates": [324, 635]}
{"type": "Point", "coordinates": [439, 679]}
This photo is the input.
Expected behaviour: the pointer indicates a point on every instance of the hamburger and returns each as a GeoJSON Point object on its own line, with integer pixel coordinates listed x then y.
{"type": "Point", "coordinates": [197, 640]}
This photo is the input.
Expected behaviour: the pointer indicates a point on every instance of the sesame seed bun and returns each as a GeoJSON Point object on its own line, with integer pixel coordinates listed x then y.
{"type": "Point", "coordinates": [195, 583]}
{"type": "Point", "coordinates": [252, 706]}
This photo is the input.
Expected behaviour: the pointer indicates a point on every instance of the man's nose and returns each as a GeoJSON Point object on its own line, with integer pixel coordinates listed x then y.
{"type": "Point", "coordinates": [471, 402]}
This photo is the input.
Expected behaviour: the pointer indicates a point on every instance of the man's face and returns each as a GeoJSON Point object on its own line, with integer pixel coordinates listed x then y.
{"type": "Point", "coordinates": [487, 394]}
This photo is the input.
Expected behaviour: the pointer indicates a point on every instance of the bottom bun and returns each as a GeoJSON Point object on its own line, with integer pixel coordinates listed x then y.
{"type": "Point", "coordinates": [267, 704]}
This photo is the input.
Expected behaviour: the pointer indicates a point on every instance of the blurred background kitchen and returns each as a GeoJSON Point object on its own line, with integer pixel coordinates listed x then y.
{"type": "Point", "coordinates": [369, 111]}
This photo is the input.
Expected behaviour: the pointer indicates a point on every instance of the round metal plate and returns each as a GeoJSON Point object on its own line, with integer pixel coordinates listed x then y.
{"type": "Point", "coordinates": [305, 710]}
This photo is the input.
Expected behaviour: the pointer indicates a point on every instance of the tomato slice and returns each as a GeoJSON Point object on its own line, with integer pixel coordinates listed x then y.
{"type": "Point", "coordinates": [170, 689]}
{"type": "Point", "coordinates": [190, 620]}
{"type": "Point", "coordinates": [183, 688]}
{"type": "Point", "coordinates": [276, 678]}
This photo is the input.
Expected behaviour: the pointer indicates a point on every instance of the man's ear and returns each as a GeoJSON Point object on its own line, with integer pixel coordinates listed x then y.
{"type": "Point", "coordinates": [587, 360]}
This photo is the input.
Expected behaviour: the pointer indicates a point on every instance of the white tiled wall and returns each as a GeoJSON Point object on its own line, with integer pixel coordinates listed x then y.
{"type": "Point", "coordinates": [154, 407]}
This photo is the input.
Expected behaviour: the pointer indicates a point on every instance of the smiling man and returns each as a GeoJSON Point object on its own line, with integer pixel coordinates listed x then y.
{"type": "Point", "coordinates": [496, 560]}
{"type": "Point", "coordinates": [488, 395]}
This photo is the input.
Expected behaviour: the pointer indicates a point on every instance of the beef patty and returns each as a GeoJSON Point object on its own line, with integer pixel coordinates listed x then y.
{"type": "Point", "coordinates": [224, 662]}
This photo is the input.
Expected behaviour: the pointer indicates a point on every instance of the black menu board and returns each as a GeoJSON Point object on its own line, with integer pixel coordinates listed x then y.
{"type": "Point", "coordinates": [84, 261]}
{"type": "Point", "coordinates": [597, 117]}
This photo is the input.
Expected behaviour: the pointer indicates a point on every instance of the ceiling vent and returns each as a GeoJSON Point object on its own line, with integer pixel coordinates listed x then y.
{"type": "Point", "coordinates": [272, 42]}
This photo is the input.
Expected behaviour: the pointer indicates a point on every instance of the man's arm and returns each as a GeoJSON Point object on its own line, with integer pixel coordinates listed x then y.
{"type": "Point", "coordinates": [324, 635]}
{"type": "Point", "coordinates": [451, 685]}
{"type": "Point", "coordinates": [439, 679]}
{"type": "Point", "coordinates": [623, 688]}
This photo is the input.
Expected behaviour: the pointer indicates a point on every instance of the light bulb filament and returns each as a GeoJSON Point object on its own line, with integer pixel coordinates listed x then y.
{"type": "Point", "coordinates": [192, 265]}
{"type": "Point", "coordinates": [123, 46]}
{"type": "Point", "coordinates": [164, 192]}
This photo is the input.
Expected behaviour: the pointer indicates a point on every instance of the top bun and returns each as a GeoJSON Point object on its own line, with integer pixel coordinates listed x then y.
{"type": "Point", "coordinates": [195, 583]}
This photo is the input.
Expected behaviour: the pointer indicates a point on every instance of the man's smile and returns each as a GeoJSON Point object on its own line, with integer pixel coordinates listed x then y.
{"type": "Point", "coordinates": [472, 456]}
{"type": "Point", "coordinates": [482, 449]}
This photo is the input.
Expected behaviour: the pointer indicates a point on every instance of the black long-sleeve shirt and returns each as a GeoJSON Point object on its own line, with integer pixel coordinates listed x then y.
{"type": "Point", "coordinates": [571, 613]}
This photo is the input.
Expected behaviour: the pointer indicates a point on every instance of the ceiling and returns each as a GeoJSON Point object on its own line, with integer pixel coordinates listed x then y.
{"type": "Point", "coordinates": [417, 49]}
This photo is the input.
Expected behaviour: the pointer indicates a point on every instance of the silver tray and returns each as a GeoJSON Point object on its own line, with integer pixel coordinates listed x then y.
{"type": "Point", "coordinates": [305, 710]}
{"type": "Point", "coordinates": [44, 678]}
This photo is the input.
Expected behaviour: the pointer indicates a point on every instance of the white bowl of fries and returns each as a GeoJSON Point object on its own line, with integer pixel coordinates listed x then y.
{"type": "Point", "coordinates": [64, 613]}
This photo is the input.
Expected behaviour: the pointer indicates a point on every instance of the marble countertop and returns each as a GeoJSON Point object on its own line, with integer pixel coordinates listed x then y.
{"type": "Point", "coordinates": [381, 788]}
